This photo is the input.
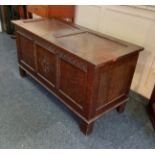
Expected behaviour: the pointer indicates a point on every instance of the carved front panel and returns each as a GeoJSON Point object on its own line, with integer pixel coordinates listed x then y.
{"type": "Point", "coordinates": [46, 64]}
{"type": "Point", "coordinates": [73, 83]}
{"type": "Point", "coordinates": [27, 53]}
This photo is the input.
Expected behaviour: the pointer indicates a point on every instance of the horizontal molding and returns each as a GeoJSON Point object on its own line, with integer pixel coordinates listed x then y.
{"type": "Point", "coordinates": [145, 7]}
{"type": "Point", "coordinates": [132, 11]}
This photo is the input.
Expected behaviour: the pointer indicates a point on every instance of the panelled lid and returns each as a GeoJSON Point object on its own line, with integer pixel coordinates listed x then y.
{"type": "Point", "coordinates": [89, 45]}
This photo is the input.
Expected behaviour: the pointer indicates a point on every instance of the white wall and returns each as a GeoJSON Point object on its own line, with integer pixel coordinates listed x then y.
{"type": "Point", "coordinates": [131, 24]}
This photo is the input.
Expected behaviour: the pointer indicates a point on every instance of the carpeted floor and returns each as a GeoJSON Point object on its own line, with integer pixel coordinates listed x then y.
{"type": "Point", "coordinates": [30, 117]}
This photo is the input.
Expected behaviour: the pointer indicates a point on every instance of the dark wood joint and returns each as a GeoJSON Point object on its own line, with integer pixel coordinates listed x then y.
{"type": "Point", "coordinates": [121, 108]}
{"type": "Point", "coordinates": [22, 72]}
{"type": "Point", "coordinates": [86, 128]}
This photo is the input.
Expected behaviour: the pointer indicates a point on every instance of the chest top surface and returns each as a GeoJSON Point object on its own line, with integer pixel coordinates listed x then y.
{"type": "Point", "coordinates": [89, 45]}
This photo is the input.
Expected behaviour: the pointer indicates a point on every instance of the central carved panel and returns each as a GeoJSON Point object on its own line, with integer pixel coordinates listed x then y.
{"type": "Point", "coordinates": [46, 64]}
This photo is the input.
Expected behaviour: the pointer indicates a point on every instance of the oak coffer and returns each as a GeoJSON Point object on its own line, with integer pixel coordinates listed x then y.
{"type": "Point", "coordinates": [89, 72]}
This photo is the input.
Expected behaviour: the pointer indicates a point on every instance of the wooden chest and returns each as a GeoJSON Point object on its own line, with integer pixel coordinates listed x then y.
{"type": "Point", "coordinates": [90, 73]}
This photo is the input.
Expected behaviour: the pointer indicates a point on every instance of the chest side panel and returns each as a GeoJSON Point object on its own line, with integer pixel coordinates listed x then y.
{"type": "Point", "coordinates": [115, 80]}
